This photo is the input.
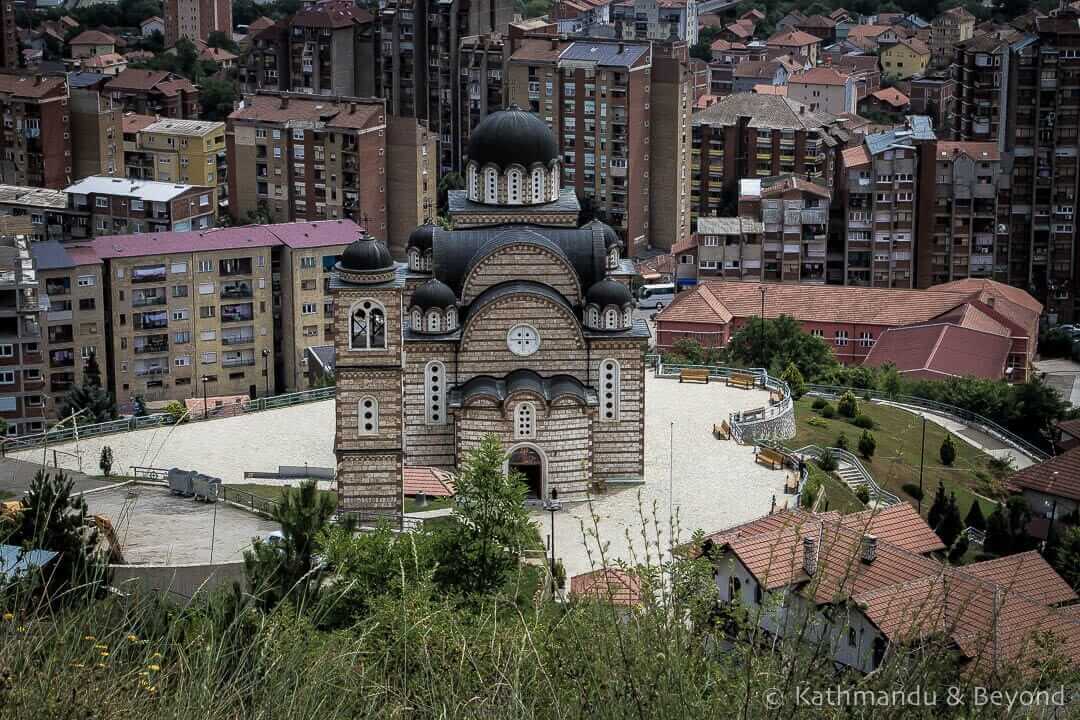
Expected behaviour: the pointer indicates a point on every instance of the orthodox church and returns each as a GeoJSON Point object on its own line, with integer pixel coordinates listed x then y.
{"type": "Point", "coordinates": [516, 322]}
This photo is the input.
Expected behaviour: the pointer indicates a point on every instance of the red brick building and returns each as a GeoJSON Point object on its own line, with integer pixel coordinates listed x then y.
{"type": "Point", "coordinates": [155, 92]}
{"type": "Point", "coordinates": [36, 140]}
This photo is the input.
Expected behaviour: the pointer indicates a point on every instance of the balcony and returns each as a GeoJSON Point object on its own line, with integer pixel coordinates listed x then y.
{"type": "Point", "coordinates": [155, 273]}
{"type": "Point", "coordinates": [236, 290]}
{"type": "Point", "coordinates": [151, 344]}
{"type": "Point", "coordinates": [237, 338]}
{"type": "Point", "coordinates": [237, 313]}
{"type": "Point", "coordinates": [234, 266]}
{"type": "Point", "coordinates": [151, 370]}
{"type": "Point", "coordinates": [147, 300]}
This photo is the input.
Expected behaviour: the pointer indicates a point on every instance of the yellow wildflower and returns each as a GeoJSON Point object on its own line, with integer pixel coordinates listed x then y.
{"type": "Point", "coordinates": [102, 647]}
{"type": "Point", "coordinates": [77, 665]}
{"type": "Point", "coordinates": [104, 654]}
{"type": "Point", "coordinates": [152, 689]}
{"type": "Point", "coordinates": [100, 665]}
{"type": "Point", "coordinates": [8, 617]}
{"type": "Point", "coordinates": [156, 655]}
{"type": "Point", "coordinates": [133, 638]}
{"type": "Point", "coordinates": [155, 668]}
{"type": "Point", "coordinates": [89, 637]}
{"type": "Point", "coordinates": [21, 628]}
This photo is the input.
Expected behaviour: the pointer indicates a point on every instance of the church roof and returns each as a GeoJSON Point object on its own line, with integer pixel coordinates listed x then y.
{"type": "Point", "coordinates": [499, 389]}
{"type": "Point", "coordinates": [513, 287]}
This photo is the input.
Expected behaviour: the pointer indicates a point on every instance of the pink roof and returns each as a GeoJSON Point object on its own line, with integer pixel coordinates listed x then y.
{"type": "Point", "coordinates": [793, 38]}
{"type": "Point", "coordinates": [163, 243]}
{"type": "Point", "coordinates": [940, 350]}
{"type": "Point", "coordinates": [820, 76]}
{"type": "Point", "coordinates": [316, 234]}
{"type": "Point", "coordinates": [427, 480]}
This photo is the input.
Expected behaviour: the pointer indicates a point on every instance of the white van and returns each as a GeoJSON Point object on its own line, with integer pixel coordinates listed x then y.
{"type": "Point", "coordinates": [655, 297]}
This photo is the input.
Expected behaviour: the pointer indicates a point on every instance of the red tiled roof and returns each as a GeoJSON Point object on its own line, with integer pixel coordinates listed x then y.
{"type": "Point", "coordinates": [330, 14]}
{"type": "Point", "coordinates": [941, 350]}
{"type": "Point", "coordinates": [899, 525]}
{"type": "Point", "coordinates": [92, 37]}
{"type": "Point", "coordinates": [1025, 573]}
{"type": "Point", "coordinates": [275, 109]}
{"type": "Point", "coordinates": [794, 182]}
{"type": "Point", "coordinates": [608, 585]}
{"type": "Point", "coordinates": [133, 122]}
{"type": "Point", "coordinates": [820, 76]}
{"type": "Point", "coordinates": [1059, 476]}
{"type": "Point", "coordinates": [1008, 292]}
{"type": "Point", "coordinates": [892, 96]}
{"type": "Point", "coordinates": [855, 156]}
{"type": "Point", "coordinates": [793, 38]}
{"type": "Point", "coordinates": [973, 317]}
{"type": "Point", "coordinates": [259, 23]}
{"type": "Point", "coordinates": [1070, 427]}
{"type": "Point", "coordinates": [321, 233]}
{"type": "Point", "coordinates": [427, 480]}
{"type": "Point", "coordinates": [30, 86]}
{"type": "Point", "coordinates": [763, 89]}
{"type": "Point", "coordinates": [987, 151]}
{"type": "Point", "coordinates": [216, 54]}
{"type": "Point", "coordinates": [915, 45]}
{"type": "Point", "coordinates": [821, 303]}
{"type": "Point", "coordinates": [866, 31]}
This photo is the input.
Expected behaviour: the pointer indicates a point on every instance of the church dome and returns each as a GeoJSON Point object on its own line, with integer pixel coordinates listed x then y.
{"type": "Point", "coordinates": [513, 136]}
{"type": "Point", "coordinates": [366, 260]}
{"type": "Point", "coordinates": [433, 294]}
{"type": "Point", "coordinates": [422, 237]}
{"type": "Point", "coordinates": [608, 292]}
{"type": "Point", "coordinates": [611, 238]}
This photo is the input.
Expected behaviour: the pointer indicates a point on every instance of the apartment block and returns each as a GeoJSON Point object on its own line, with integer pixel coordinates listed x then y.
{"type": "Point", "coordinates": [878, 194]}
{"type": "Point", "coordinates": [154, 92]}
{"type": "Point", "coordinates": [196, 19]}
{"type": "Point", "coordinates": [22, 358]}
{"type": "Point", "coordinates": [947, 30]}
{"type": "Point", "coordinates": [44, 214]}
{"type": "Point", "coordinates": [302, 158]}
{"type": "Point", "coordinates": [188, 313]}
{"type": "Point", "coordinates": [481, 89]}
{"type": "Point", "coordinates": [119, 206]}
{"type": "Point", "coordinates": [669, 114]}
{"type": "Point", "coordinates": [933, 97]}
{"type": "Point", "coordinates": [958, 212]}
{"type": "Point", "coordinates": [177, 151]}
{"type": "Point", "coordinates": [331, 50]}
{"type": "Point", "coordinates": [748, 135]}
{"type": "Point", "coordinates": [72, 319]}
{"type": "Point", "coordinates": [660, 20]}
{"type": "Point", "coordinates": [95, 126]}
{"type": "Point", "coordinates": [37, 130]}
{"type": "Point", "coordinates": [9, 37]}
{"type": "Point", "coordinates": [412, 180]}
{"type": "Point", "coordinates": [265, 63]}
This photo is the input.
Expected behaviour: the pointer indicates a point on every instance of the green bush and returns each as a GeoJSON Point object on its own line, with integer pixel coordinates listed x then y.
{"type": "Point", "coordinates": [819, 402]}
{"type": "Point", "coordinates": [842, 442]}
{"type": "Point", "coordinates": [848, 405]}
{"type": "Point", "coordinates": [863, 493]}
{"type": "Point", "coordinates": [913, 490]}
{"type": "Point", "coordinates": [867, 444]}
{"type": "Point", "coordinates": [177, 410]}
{"type": "Point", "coordinates": [948, 450]}
{"type": "Point", "coordinates": [828, 411]}
{"type": "Point", "coordinates": [864, 422]}
{"type": "Point", "coordinates": [827, 462]}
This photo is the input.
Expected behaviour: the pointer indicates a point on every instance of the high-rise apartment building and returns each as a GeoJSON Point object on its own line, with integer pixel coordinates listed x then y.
{"type": "Point", "coordinates": [22, 359]}
{"type": "Point", "coordinates": [412, 180]}
{"type": "Point", "coordinates": [36, 139]}
{"type": "Point", "coordinates": [154, 92]}
{"type": "Point", "coordinates": [660, 20]}
{"type": "Point", "coordinates": [331, 50]}
{"type": "Point", "coordinates": [670, 143]}
{"type": "Point", "coordinates": [948, 29]}
{"type": "Point", "coordinates": [196, 19]}
{"type": "Point", "coordinates": [45, 212]}
{"type": "Point", "coordinates": [95, 126]}
{"type": "Point", "coordinates": [191, 152]}
{"type": "Point", "coordinates": [481, 89]}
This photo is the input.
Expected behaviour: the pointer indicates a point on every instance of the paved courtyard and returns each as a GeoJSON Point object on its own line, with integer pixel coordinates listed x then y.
{"type": "Point", "coordinates": [714, 483]}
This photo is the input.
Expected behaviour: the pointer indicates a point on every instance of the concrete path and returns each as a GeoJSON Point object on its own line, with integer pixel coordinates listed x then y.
{"type": "Point", "coordinates": [976, 438]}
{"type": "Point", "coordinates": [15, 476]}
{"type": "Point", "coordinates": [1063, 375]}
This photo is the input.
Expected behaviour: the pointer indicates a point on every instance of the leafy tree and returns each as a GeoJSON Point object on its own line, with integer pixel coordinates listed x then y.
{"type": "Point", "coordinates": [937, 509]}
{"type": "Point", "coordinates": [1067, 557]}
{"type": "Point", "coordinates": [842, 441]}
{"type": "Point", "coordinates": [685, 351]}
{"type": "Point", "coordinates": [449, 181]}
{"type": "Point", "coordinates": [867, 444]}
{"type": "Point", "coordinates": [975, 517]}
{"type": "Point", "coordinates": [105, 462]}
{"type": "Point", "coordinates": [998, 538]}
{"type": "Point", "coordinates": [794, 380]}
{"type": "Point", "coordinates": [1019, 515]}
{"type": "Point", "coordinates": [218, 39]}
{"type": "Point", "coordinates": [951, 525]}
{"type": "Point", "coordinates": [1036, 408]}
{"type": "Point", "coordinates": [260, 215]}
{"type": "Point", "coordinates": [827, 461]}
{"type": "Point", "coordinates": [958, 549]}
{"type": "Point", "coordinates": [785, 343]}
{"type": "Point", "coordinates": [288, 569]}
{"type": "Point", "coordinates": [218, 97]}
{"type": "Point", "coordinates": [92, 372]}
{"type": "Point", "coordinates": [492, 525]}
{"type": "Point", "coordinates": [53, 518]}
{"type": "Point", "coordinates": [948, 450]}
{"type": "Point", "coordinates": [848, 405]}
{"type": "Point", "coordinates": [889, 381]}
{"type": "Point", "coordinates": [863, 494]}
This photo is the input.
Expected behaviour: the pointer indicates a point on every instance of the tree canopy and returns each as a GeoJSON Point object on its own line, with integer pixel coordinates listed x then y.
{"type": "Point", "coordinates": [785, 343]}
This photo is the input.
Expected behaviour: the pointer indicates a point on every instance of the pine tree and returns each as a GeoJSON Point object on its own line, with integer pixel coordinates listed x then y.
{"type": "Point", "coordinates": [92, 373]}
{"type": "Point", "coordinates": [975, 517]}
{"type": "Point", "coordinates": [89, 396]}
{"type": "Point", "coordinates": [867, 444]}
{"type": "Point", "coordinates": [951, 525]}
{"type": "Point", "coordinates": [948, 450]}
{"type": "Point", "coordinates": [959, 548]}
{"type": "Point", "coordinates": [998, 538]}
{"type": "Point", "coordinates": [937, 509]}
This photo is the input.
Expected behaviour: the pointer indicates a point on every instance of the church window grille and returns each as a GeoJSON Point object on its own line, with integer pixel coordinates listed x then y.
{"type": "Point", "coordinates": [414, 259]}
{"type": "Point", "coordinates": [513, 187]}
{"type": "Point", "coordinates": [592, 316]}
{"type": "Point", "coordinates": [368, 421]}
{"type": "Point", "coordinates": [491, 183]}
{"type": "Point", "coordinates": [609, 390]}
{"type": "Point", "coordinates": [525, 420]}
{"type": "Point", "coordinates": [611, 319]}
{"type": "Point", "coordinates": [538, 185]}
{"type": "Point", "coordinates": [474, 183]}
{"type": "Point", "coordinates": [451, 318]}
{"type": "Point", "coordinates": [434, 321]}
{"type": "Point", "coordinates": [613, 259]}
{"type": "Point", "coordinates": [417, 320]}
{"type": "Point", "coordinates": [628, 317]}
{"type": "Point", "coordinates": [368, 326]}
{"type": "Point", "coordinates": [435, 393]}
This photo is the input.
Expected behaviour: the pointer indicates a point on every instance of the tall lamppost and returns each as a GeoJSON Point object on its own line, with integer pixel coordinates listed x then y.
{"type": "Point", "coordinates": [762, 288]}
{"type": "Point", "coordinates": [553, 506]}
{"type": "Point", "coordinates": [205, 407]}
{"type": "Point", "coordinates": [266, 371]}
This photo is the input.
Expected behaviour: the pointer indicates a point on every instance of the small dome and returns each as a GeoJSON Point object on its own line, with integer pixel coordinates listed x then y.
{"type": "Point", "coordinates": [608, 292]}
{"type": "Point", "coordinates": [366, 254]}
{"type": "Point", "coordinates": [513, 136]}
{"type": "Point", "coordinates": [611, 238]}
{"type": "Point", "coordinates": [433, 294]}
{"type": "Point", "coordinates": [422, 237]}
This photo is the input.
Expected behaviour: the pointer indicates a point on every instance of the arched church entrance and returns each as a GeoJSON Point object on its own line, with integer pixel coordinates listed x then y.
{"type": "Point", "coordinates": [528, 461]}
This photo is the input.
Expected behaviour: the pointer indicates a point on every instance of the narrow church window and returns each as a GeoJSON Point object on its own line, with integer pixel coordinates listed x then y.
{"type": "Point", "coordinates": [609, 391]}
{"type": "Point", "coordinates": [538, 185]}
{"type": "Point", "coordinates": [613, 259]}
{"type": "Point", "coordinates": [414, 259]}
{"type": "Point", "coordinates": [434, 320]}
{"type": "Point", "coordinates": [425, 262]}
{"type": "Point", "coordinates": [492, 193]}
{"type": "Point", "coordinates": [368, 421]}
{"type": "Point", "coordinates": [417, 320]}
{"type": "Point", "coordinates": [434, 390]}
{"type": "Point", "coordinates": [628, 317]}
{"type": "Point", "coordinates": [513, 186]}
{"type": "Point", "coordinates": [524, 420]}
{"type": "Point", "coordinates": [451, 318]}
{"type": "Point", "coordinates": [474, 182]}
{"type": "Point", "coordinates": [368, 326]}
{"type": "Point", "coordinates": [592, 317]}
{"type": "Point", "coordinates": [611, 319]}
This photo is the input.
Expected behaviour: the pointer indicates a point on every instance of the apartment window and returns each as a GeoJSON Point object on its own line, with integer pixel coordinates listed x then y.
{"type": "Point", "coordinates": [180, 291]}
{"type": "Point", "coordinates": [207, 311]}
{"type": "Point", "coordinates": [206, 266]}
{"type": "Point", "coordinates": [86, 281]}
{"type": "Point", "coordinates": [87, 303]}
{"type": "Point", "coordinates": [309, 308]}
{"type": "Point", "coordinates": [260, 133]}
{"type": "Point", "coordinates": [87, 351]}
{"type": "Point", "coordinates": [101, 202]}
{"type": "Point", "coordinates": [7, 350]}
{"type": "Point", "coordinates": [307, 261]}
{"type": "Point", "coordinates": [182, 338]}
{"type": "Point", "coordinates": [841, 337]}
{"type": "Point", "coordinates": [277, 153]}
{"type": "Point", "coordinates": [204, 200]}
{"type": "Point", "coordinates": [866, 339]}
{"type": "Point", "coordinates": [183, 361]}
{"type": "Point", "coordinates": [179, 315]}
{"type": "Point", "coordinates": [206, 289]}
{"type": "Point", "coordinates": [276, 134]}
{"type": "Point", "coordinates": [903, 197]}
{"type": "Point", "coordinates": [178, 268]}
{"type": "Point", "coordinates": [7, 377]}
{"type": "Point", "coordinates": [298, 134]}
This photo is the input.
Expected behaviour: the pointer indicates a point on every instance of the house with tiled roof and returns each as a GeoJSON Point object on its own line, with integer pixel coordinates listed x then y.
{"type": "Point", "coordinates": [800, 45]}
{"type": "Point", "coordinates": [1067, 435]}
{"type": "Point", "coordinates": [871, 38]}
{"type": "Point", "coordinates": [864, 585]}
{"type": "Point", "coordinates": [905, 58]}
{"type": "Point", "coordinates": [618, 587]}
{"type": "Point", "coordinates": [92, 42]}
{"type": "Point", "coordinates": [885, 100]}
{"type": "Point", "coordinates": [1051, 488]}
{"type": "Point", "coordinates": [738, 31]}
{"type": "Point", "coordinates": [155, 92]}
{"type": "Point", "coordinates": [820, 26]}
{"type": "Point", "coordinates": [942, 350]}
{"type": "Point", "coordinates": [823, 88]}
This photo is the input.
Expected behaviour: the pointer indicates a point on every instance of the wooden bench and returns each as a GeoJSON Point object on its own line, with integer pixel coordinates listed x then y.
{"type": "Point", "coordinates": [775, 397]}
{"type": "Point", "coordinates": [722, 431]}
{"type": "Point", "coordinates": [694, 375]}
{"type": "Point", "coordinates": [746, 382]}
{"type": "Point", "coordinates": [770, 458]}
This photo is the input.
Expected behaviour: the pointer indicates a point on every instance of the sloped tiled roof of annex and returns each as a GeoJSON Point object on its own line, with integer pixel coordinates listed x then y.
{"type": "Point", "coordinates": [758, 69]}
{"type": "Point", "coordinates": [892, 96]}
{"type": "Point", "coordinates": [330, 14]}
{"type": "Point", "coordinates": [1013, 294]}
{"type": "Point", "coordinates": [941, 350]}
{"type": "Point", "coordinates": [914, 44]}
{"type": "Point", "coordinates": [818, 21]}
{"type": "Point", "coordinates": [620, 587]}
{"type": "Point", "coordinates": [975, 317]}
{"type": "Point", "coordinates": [134, 122]}
{"type": "Point", "coordinates": [29, 86]}
{"type": "Point", "coordinates": [728, 225]}
{"type": "Point", "coordinates": [898, 524]}
{"type": "Point", "coordinates": [427, 480]}
{"type": "Point", "coordinates": [783, 183]}
{"type": "Point", "coordinates": [1026, 573]}
{"type": "Point", "coordinates": [271, 109]}
{"type": "Point", "coordinates": [607, 54]}
{"type": "Point", "coordinates": [793, 38]}
{"type": "Point", "coordinates": [820, 76]}
{"type": "Point", "coordinates": [1058, 476]}
{"type": "Point", "coordinates": [764, 111]}
{"type": "Point", "coordinates": [855, 156]}
{"type": "Point", "coordinates": [820, 303]}
{"type": "Point", "coordinates": [33, 196]}
{"type": "Point", "coordinates": [165, 243]}
{"type": "Point", "coordinates": [92, 37]}
{"type": "Point", "coordinates": [987, 151]}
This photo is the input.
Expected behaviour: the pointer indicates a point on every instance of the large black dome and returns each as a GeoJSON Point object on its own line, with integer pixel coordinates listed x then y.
{"type": "Point", "coordinates": [433, 294]}
{"type": "Point", "coordinates": [611, 238]}
{"type": "Point", "coordinates": [513, 136]}
{"type": "Point", "coordinates": [366, 254]}
{"type": "Point", "coordinates": [422, 236]}
{"type": "Point", "coordinates": [608, 292]}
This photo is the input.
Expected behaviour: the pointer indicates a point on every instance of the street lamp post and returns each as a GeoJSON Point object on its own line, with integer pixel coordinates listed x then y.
{"type": "Point", "coordinates": [552, 506]}
{"type": "Point", "coordinates": [762, 288]}
{"type": "Point", "coordinates": [266, 371]}
{"type": "Point", "coordinates": [922, 460]}
{"type": "Point", "coordinates": [205, 407]}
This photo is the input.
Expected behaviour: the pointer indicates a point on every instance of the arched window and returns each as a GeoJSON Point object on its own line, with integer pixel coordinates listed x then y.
{"type": "Point", "coordinates": [525, 420]}
{"type": "Point", "coordinates": [609, 390]}
{"type": "Point", "coordinates": [368, 416]}
{"type": "Point", "coordinates": [592, 317]}
{"type": "Point", "coordinates": [613, 258]}
{"type": "Point", "coordinates": [451, 319]}
{"type": "Point", "coordinates": [628, 317]}
{"type": "Point", "coordinates": [474, 183]}
{"type": "Point", "coordinates": [434, 320]}
{"type": "Point", "coordinates": [368, 326]}
{"type": "Point", "coordinates": [414, 259]}
{"type": "Point", "coordinates": [537, 185]}
{"type": "Point", "coordinates": [513, 187]}
{"type": "Point", "coordinates": [425, 262]}
{"type": "Point", "coordinates": [435, 393]}
{"type": "Point", "coordinates": [734, 585]}
{"type": "Point", "coordinates": [553, 183]}
{"type": "Point", "coordinates": [491, 185]}
{"type": "Point", "coordinates": [417, 320]}
{"type": "Point", "coordinates": [611, 319]}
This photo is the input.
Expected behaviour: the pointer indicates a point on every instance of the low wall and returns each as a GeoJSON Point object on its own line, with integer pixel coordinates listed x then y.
{"type": "Point", "coordinates": [182, 580]}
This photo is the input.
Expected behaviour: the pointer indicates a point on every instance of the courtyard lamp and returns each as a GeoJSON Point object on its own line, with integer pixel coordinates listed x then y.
{"type": "Point", "coordinates": [205, 407]}
{"type": "Point", "coordinates": [553, 506]}
{"type": "Point", "coordinates": [266, 371]}
{"type": "Point", "coordinates": [762, 289]}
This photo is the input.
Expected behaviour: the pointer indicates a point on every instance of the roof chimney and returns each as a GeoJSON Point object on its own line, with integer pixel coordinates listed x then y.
{"type": "Point", "coordinates": [554, 43]}
{"type": "Point", "coordinates": [352, 108]}
{"type": "Point", "coordinates": [809, 557]}
{"type": "Point", "coordinates": [869, 548]}
{"type": "Point", "coordinates": [621, 48]}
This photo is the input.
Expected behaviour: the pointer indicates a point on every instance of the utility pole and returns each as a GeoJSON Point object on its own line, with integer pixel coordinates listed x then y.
{"type": "Point", "coordinates": [762, 288]}
{"type": "Point", "coordinates": [922, 460]}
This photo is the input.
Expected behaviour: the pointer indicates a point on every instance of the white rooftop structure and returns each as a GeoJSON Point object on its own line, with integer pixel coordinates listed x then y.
{"type": "Point", "coordinates": [33, 197]}
{"type": "Point", "coordinates": [148, 190]}
{"type": "Point", "coordinates": [750, 187]}
{"type": "Point", "coordinates": [195, 128]}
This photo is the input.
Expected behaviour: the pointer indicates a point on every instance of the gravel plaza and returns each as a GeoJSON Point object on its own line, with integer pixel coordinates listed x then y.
{"type": "Point", "coordinates": [714, 483]}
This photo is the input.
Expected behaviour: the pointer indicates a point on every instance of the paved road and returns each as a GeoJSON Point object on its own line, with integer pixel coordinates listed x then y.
{"type": "Point", "coordinates": [15, 477]}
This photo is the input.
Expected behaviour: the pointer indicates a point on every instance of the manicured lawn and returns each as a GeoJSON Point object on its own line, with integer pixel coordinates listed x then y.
{"type": "Point", "coordinates": [896, 460]}
{"type": "Point", "coordinates": [273, 492]}
{"type": "Point", "coordinates": [838, 496]}
{"type": "Point", "coordinates": [433, 504]}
